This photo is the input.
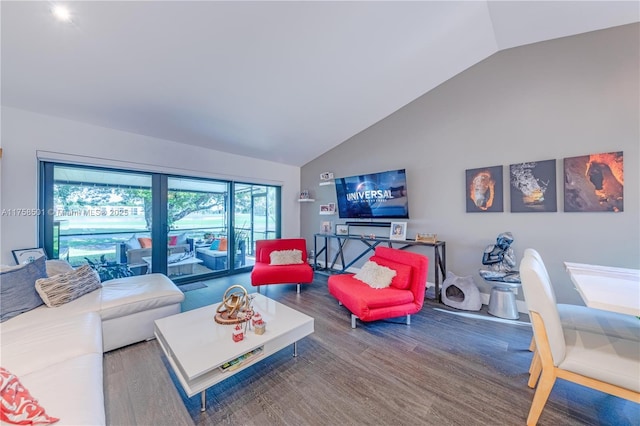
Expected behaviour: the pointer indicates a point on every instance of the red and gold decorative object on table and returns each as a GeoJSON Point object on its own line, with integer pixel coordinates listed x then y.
{"type": "Point", "coordinates": [237, 334]}
{"type": "Point", "coordinates": [259, 327]}
{"type": "Point", "coordinates": [255, 318]}
{"type": "Point", "coordinates": [235, 307]}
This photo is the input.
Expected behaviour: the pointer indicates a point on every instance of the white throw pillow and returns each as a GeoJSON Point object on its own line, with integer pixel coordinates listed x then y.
{"type": "Point", "coordinates": [182, 239]}
{"type": "Point", "coordinates": [286, 257]}
{"type": "Point", "coordinates": [57, 266]}
{"type": "Point", "coordinates": [374, 275]}
{"type": "Point", "coordinates": [133, 243]}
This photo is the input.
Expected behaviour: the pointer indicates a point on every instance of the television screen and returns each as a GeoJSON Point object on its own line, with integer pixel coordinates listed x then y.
{"type": "Point", "coordinates": [380, 195]}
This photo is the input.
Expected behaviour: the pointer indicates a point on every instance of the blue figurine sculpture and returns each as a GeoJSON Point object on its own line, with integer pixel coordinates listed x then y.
{"type": "Point", "coordinates": [500, 261]}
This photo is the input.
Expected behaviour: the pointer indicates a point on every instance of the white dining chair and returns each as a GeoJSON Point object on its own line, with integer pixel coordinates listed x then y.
{"type": "Point", "coordinates": [599, 361]}
{"type": "Point", "coordinates": [577, 317]}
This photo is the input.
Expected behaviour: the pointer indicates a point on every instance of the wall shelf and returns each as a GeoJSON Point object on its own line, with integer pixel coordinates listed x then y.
{"type": "Point", "coordinates": [326, 183]}
{"type": "Point", "coordinates": [306, 200]}
{"type": "Point", "coordinates": [327, 213]}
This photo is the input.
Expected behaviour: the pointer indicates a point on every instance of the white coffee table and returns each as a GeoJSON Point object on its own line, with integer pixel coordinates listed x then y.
{"type": "Point", "coordinates": [196, 346]}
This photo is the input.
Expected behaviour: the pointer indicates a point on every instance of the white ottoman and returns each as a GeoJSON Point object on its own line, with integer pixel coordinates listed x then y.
{"type": "Point", "coordinates": [130, 305]}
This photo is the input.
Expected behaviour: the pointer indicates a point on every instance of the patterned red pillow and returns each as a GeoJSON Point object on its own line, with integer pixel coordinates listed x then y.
{"type": "Point", "coordinates": [18, 406]}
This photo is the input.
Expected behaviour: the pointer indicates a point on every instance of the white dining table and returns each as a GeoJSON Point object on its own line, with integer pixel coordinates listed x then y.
{"type": "Point", "coordinates": [608, 288]}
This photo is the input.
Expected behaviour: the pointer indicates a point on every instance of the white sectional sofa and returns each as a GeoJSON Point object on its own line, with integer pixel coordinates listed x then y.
{"type": "Point", "coordinates": [57, 352]}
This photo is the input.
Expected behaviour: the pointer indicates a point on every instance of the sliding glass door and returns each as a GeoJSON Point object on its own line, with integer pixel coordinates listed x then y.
{"type": "Point", "coordinates": [92, 212]}
{"type": "Point", "coordinates": [257, 216]}
{"type": "Point", "coordinates": [198, 222]}
{"type": "Point", "coordinates": [187, 228]}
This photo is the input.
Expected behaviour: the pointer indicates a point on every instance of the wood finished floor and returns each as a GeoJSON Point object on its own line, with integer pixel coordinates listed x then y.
{"type": "Point", "coordinates": [443, 369]}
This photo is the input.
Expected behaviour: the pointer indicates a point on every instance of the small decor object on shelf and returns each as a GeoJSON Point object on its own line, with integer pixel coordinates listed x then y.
{"type": "Point", "coordinates": [326, 227]}
{"type": "Point", "coordinates": [398, 231]}
{"type": "Point", "coordinates": [326, 176]}
{"type": "Point", "coordinates": [235, 306]}
{"type": "Point", "coordinates": [342, 229]}
{"type": "Point", "coordinates": [328, 208]}
{"type": "Point", "coordinates": [304, 194]}
{"type": "Point", "coordinates": [237, 334]}
{"type": "Point", "coordinates": [427, 238]}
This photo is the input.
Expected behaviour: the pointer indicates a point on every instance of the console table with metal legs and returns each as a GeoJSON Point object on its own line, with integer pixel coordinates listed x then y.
{"type": "Point", "coordinates": [439, 250]}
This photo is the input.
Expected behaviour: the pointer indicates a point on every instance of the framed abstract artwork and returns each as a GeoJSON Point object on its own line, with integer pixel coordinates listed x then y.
{"type": "Point", "coordinates": [533, 186]}
{"type": "Point", "coordinates": [484, 190]}
{"type": "Point", "coordinates": [594, 183]}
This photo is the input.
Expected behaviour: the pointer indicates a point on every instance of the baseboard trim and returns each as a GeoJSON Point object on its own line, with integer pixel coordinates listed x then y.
{"type": "Point", "coordinates": [484, 297]}
{"type": "Point", "coordinates": [484, 317]}
{"type": "Point", "coordinates": [520, 304]}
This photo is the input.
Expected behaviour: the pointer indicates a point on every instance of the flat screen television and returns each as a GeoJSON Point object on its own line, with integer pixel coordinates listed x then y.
{"type": "Point", "coordinates": [381, 195]}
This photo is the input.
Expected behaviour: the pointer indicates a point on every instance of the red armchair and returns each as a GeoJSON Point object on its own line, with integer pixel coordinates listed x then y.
{"type": "Point", "coordinates": [265, 273]}
{"type": "Point", "coordinates": [405, 295]}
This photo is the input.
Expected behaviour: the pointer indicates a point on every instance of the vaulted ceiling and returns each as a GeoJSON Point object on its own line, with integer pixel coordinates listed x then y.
{"type": "Point", "coordinates": [282, 81]}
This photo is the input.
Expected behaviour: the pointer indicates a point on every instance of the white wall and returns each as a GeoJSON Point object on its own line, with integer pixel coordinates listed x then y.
{"type": "Point", "coordinates": [25, 136]}
{"type": "Point", "coordinates": [568, 97]}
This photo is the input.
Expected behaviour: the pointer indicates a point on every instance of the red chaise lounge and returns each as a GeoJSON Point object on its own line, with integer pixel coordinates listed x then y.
{"type": "Point", "coordinates": [265, 273]}
{"type": "Point", "coordinates": [405, 295]}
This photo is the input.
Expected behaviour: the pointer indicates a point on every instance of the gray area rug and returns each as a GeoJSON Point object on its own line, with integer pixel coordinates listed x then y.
{"type": "Point", "coordinates": [191, 286]}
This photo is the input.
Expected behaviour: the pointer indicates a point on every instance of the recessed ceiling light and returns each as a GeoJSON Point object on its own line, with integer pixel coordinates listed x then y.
{"type": "Point", "coordinates": [61, 13]}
